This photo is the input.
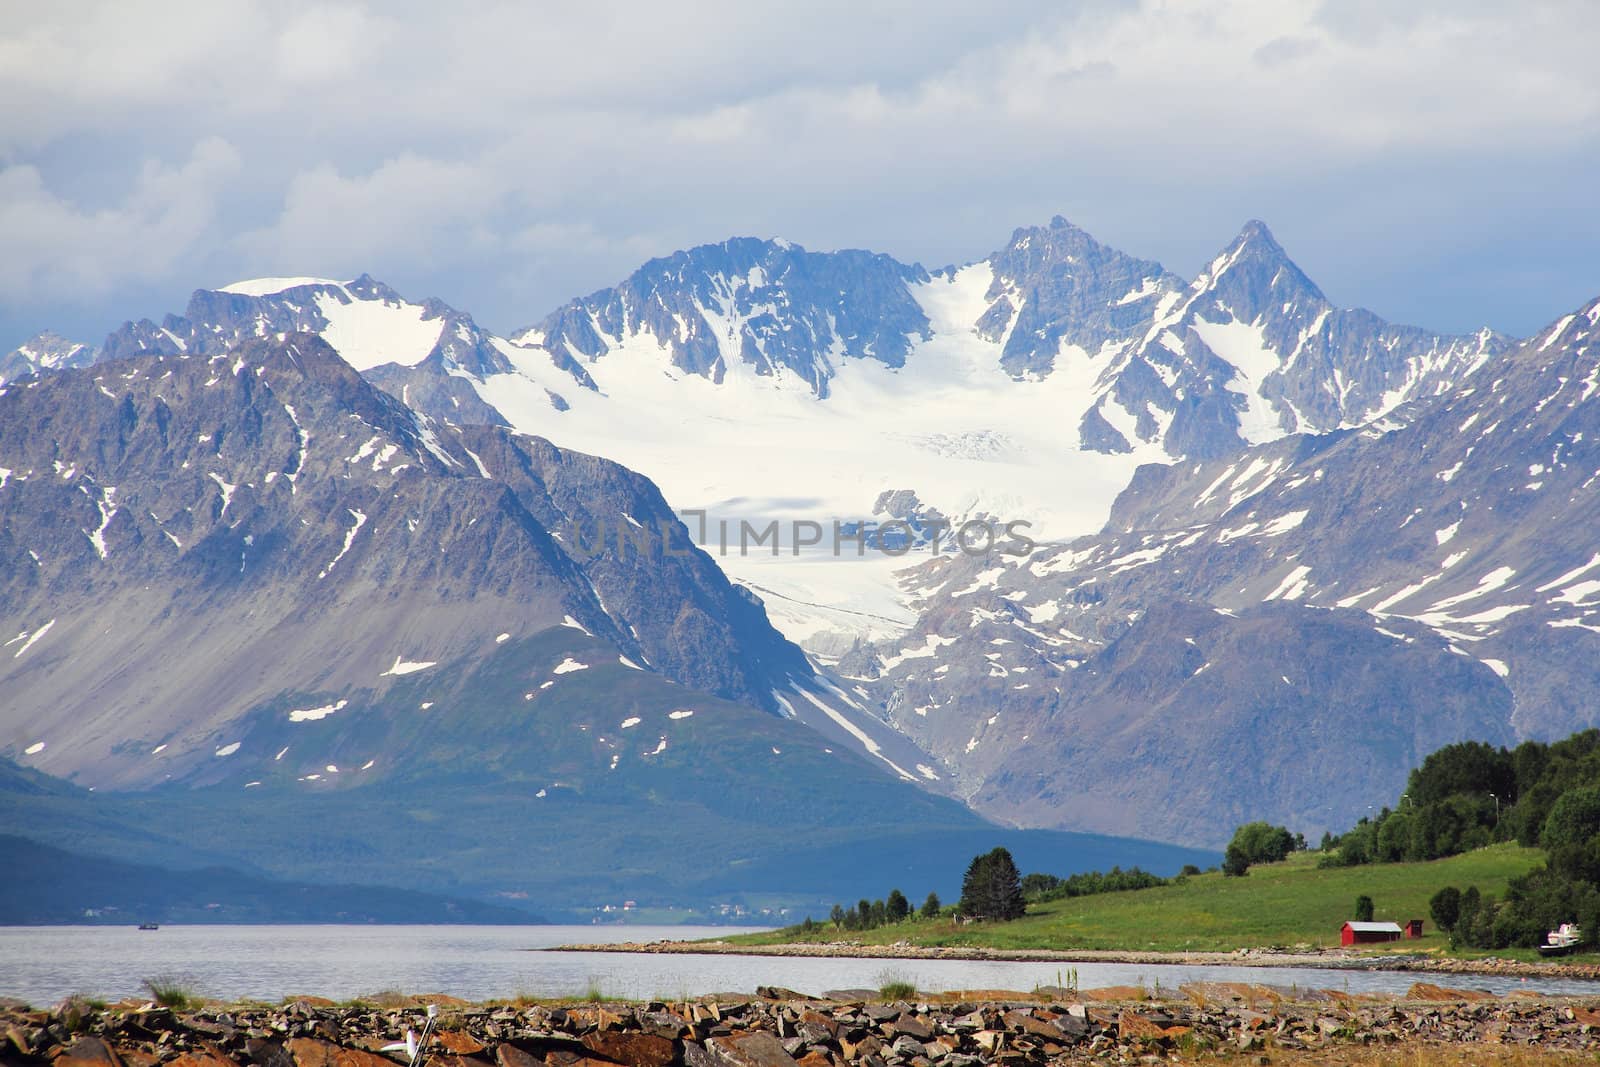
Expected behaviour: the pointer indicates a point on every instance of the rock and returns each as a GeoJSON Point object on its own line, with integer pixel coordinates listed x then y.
{"type": "Point", "coordinates": [1072, 1027]}
{"type": "Point", "coordinates": [1024, 1021]}
{"type": "Point", "coordinates": [20, 1040]}
{"type": "Point", "coordinates": [856, 1048]}
{"type": "Point", "coordinates": [758, 1048]}
{"type": "Point", "coordinates": [631, 1049]}
{"type": "Point", "coordinates": [88, 1052]}
{"type": "Point", "coordinates": [462, 1044]}
{"type": "Point", "coordinates": [206, 1058]}
{"type": "Point", "coordinates": [314, 1052]}
{"type": "Point", "coordinates": [509, 1055]}
{"type": "Point", "coordinates": [1132, 1026]}
{"type": "Point", "coordinates": [989, 1040]}
{"type": "Point", "coordinates": [132, 1057]}
{"type": "Point", "coordinates": [912, 1026]}
{"type": "Point", "coordinates": [663, 1023]}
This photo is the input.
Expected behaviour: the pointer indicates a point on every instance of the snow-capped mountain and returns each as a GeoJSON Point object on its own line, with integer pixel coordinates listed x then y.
{"type": "Point", "coordinates": [204, 550]}
{"type": "Point", "coordinates": [752, 382]}
{"type": "Point", "coordinates": [43, 352]}
{"type": "Point", "coordinates": [1058, 383]}
{"type": "Point", "coordinates": [1286, 630]}
{"type": "Point", "coordinates": [423, 353]}
{"type": "Point", "coordinates": [767, 305]}
{"type": "Point", "coordinates": [361, 645]}
{"type": "Point", "coordinates": [1252, 350]}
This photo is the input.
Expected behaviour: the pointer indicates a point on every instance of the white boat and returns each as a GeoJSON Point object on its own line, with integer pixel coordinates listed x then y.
{"type": "Point", "coordinates": [1563, 940]}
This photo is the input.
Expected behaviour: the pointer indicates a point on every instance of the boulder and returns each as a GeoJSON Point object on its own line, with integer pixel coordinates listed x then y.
{"type": "Point", "coordinates": [314, 1052]}
{"type": "Point", "coordinates": [88, 1052]}
{"type": "Point", "coordinates": [631, 1049]}
{"type": "Point", "coordinates": [758, 1048]}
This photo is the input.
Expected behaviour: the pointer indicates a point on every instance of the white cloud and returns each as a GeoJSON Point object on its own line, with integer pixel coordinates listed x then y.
{"type": "Point", "coordinates": [418, 210]}
{"type": "Point", "coordinates": [449, 149]}
{"type": "Point", "coordinates": [54, 246]}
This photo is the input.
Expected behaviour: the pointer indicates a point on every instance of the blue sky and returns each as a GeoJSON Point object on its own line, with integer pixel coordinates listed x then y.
{"type": "Point", "coordinates": [1433, 161]}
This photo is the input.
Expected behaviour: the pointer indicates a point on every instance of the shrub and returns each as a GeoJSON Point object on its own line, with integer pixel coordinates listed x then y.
{"type": "Point", "coordinates": [1234, 862]}
{"type": "Point", "coordinates": [1364, 909]}
{"type": "Point", "coordinates": [892, 985]}
{"type": "Point", "coordinates": [172, 991]}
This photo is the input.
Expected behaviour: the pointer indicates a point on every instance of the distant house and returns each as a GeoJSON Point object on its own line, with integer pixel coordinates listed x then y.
{"type": "Point", "coordinates": [1413, 929]}
{"type": "Point", "coordinates": [1354, 933]}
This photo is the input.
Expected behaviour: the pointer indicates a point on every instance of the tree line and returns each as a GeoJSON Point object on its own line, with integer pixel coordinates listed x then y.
{"type": "Point", "coordinates": [871, 914]}
{"type": "Point", "coordinates": [992, 890]}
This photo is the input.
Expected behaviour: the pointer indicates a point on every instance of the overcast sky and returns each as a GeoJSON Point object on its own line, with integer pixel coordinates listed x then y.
{"type": "Point", "coordinates": [1434, 161]}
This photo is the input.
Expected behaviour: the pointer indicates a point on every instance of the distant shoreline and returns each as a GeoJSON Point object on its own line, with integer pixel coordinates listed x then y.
{"type": "Point", "coordinates": [1332, 959]}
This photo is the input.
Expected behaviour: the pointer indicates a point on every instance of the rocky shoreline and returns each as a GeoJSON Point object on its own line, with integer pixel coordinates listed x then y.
{"type": "Point", "coordinates": [780, 1028]}
{"type": "Point", "coordinates": [1337, 959]}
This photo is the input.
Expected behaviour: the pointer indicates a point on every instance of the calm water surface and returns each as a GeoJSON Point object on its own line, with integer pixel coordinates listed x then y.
{"type": "Point", "coordinates": [44, 964]}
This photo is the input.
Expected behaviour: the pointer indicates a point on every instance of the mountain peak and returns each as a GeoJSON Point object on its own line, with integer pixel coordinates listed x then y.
{"type": "Point", "coordinates": [1255, 232]}
{"type": "Point", "coordinates": [1256, 254]}
{"type": "Point", "coordinates": [46, 350]}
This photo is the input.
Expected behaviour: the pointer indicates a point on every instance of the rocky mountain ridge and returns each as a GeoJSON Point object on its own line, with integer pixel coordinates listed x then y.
{"type": "Point", "coordinates": [1373, 593]}
{"type": "Point", "coordinates": [291, 528]}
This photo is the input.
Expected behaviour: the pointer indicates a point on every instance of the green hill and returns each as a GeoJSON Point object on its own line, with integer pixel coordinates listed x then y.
{"type": "Point", "coordinates": [1280, 904]}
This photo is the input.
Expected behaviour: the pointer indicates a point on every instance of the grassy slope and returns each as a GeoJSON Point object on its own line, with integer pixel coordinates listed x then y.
{"type": "Point", "coordinates": [1281, 904]}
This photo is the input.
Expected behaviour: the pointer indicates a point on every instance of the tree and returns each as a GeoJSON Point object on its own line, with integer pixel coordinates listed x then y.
{"type": "Point", "coordinates": [1394, 838]}
{"type": "Point", "coordinates": [1445, 907]}
{"type": "Point", "coordinates": [836, 917]}
{"type": "Point", "coordinates": [992, 888]}
{"type": "Point", "coordinates": [930, 907]}
{"type": "Point", "coordinates": [1234, 861]}
{"type": "Point", "coordinates": [1572, 835]}
{"type": "Point", "coordinates": [1471, 768]}
{"type": "Point", "coordinates": [1364, 909]}
{"type": "Point", "coordinates": [897, 906]}
{"type": "Point", "coordinates": [1261, 842]}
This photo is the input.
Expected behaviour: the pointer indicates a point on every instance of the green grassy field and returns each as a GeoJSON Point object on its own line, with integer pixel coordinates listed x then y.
{"type": "Point", "coordinates": [1277, 905]}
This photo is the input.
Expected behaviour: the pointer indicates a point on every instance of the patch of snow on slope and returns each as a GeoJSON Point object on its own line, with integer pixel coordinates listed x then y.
{"type": "Point", "coordinates": [404, 666]}
{"type": "Point", "coordinates": [370, 333]}
{"type": "Point", "coordinates": [314, 714]}
{"type": "Point", "coordinates": [1293, 586]}
{"type": "Point", "coordinates": [568, 665]}
{"type": "Point", "coordinates": [33, 638]}
{"type": "Point", "coordinates": [871, 746]}
{"type": "Point", "coordinates": [349, 539]}
{"type": "Point", "coordinates": [1244, 345]}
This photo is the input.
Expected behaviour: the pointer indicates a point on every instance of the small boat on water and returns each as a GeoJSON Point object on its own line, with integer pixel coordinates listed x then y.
{"type": "Point", "coordinates": [149, 926]}
{"type": "Point", "coordinates": [1562, 941]}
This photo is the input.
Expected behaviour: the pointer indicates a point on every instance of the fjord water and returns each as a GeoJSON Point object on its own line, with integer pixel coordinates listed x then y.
{"type": "Point", "coordinates": [44, 964]}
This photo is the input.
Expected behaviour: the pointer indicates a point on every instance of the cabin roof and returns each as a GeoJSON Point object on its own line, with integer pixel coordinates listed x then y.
{"type": "Point", "coordinates": [1374, 928]}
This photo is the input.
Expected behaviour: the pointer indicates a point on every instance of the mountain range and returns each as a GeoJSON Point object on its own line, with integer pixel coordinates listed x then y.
{"type": "Point", "coordinates": [1280, 549]}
